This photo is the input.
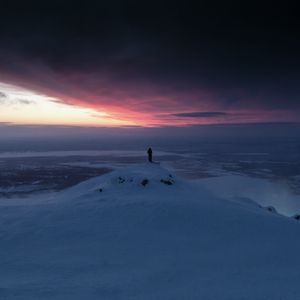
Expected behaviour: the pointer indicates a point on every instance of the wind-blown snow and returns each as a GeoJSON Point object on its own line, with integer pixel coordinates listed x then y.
{"type": "Point", "coordinates": [113, 237]}
{"type": "Point", "coordinates": [261, 191]}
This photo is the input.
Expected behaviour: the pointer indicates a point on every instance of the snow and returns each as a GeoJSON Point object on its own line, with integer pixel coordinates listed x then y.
{"type": "Point", "coordinates": [153, 241]}
{"type": "Point", "coordinates": [262, 191]}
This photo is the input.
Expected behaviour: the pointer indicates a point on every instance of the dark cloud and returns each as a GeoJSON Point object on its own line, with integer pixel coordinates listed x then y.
{"type": "Point", "coordinates": [2, 95]}
{"type": "Point", "coordinates": [203, 114]}
{"type": "Point", "coordinates": [243, 55]}
{"type": "Point", "coordinates": [14, 101]}
{"type": "Point", "coordinates": [25, 101]}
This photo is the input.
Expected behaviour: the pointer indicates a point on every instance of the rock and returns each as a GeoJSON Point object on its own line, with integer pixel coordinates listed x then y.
{"type": "Point", "coordinates": [167, 181]}
{"type": "Point", "coordinates": [144, 182]}
{"type": "Point", "coordinates": [271, 209]}
{"type": "Point", "coordinates": [121, 180]}
{"type": "Point", "coordinates": [296, 217]}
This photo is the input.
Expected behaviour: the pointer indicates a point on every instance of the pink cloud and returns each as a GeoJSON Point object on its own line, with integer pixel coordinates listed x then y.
{"type": "Point", "coordinates": [145, 103]}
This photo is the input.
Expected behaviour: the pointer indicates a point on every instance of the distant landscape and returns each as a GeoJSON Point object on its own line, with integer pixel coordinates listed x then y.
{"type": "Point", "coordinates": [25, 170]}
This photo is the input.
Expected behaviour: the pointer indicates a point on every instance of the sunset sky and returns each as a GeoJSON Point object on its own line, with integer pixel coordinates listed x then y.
{"type": "Point", "coordinates": [148, 64]}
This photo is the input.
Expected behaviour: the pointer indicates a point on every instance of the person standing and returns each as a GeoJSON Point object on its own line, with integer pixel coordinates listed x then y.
{"type": "Point", "coordinates": [150, 155]}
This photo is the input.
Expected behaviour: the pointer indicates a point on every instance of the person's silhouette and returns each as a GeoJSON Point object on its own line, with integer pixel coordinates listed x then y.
{"type": "Point", "coordinates": [150, 155]}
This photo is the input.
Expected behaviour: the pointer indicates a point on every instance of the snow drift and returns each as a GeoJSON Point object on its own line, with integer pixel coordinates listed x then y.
{"type": "Point", "coordinates": [143, 233]}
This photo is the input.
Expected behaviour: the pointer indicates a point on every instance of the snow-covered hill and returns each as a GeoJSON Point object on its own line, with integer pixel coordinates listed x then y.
{"type": "Point", "coordinates": [143, 233]}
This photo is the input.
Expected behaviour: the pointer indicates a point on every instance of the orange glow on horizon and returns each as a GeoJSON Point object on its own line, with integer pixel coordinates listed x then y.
{"type": "Point", "coordinates": [22, 106]}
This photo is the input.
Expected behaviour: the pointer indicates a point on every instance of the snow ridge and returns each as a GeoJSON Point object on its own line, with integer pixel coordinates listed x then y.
{"type": "Point", "coordinates": [146, 241]}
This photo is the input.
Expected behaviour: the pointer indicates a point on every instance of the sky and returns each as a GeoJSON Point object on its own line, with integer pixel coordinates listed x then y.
{"type": "Point", "coordinates": [149, 63]}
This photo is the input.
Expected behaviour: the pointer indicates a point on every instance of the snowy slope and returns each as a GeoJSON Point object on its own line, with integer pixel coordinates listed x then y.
{"type": "Point", "coordinates": [262, 191]}
{"type": "Point", "coordinates": [112, 237]}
